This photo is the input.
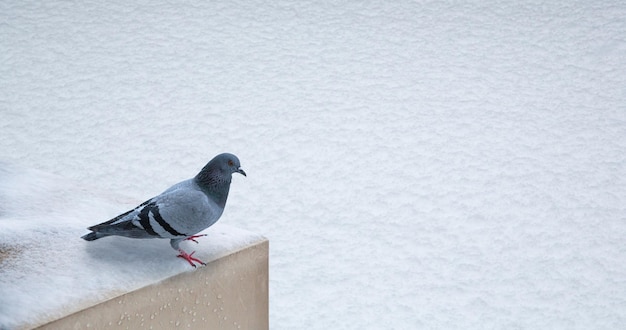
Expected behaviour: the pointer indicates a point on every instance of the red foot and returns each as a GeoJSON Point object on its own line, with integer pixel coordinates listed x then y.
{"type": "Point", "coordinates": [189, 257]}
{"type": "Point", "coordinates": [193, 238]}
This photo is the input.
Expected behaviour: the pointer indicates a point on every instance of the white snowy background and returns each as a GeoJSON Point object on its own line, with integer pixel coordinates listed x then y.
{"type": "Point", "coordinates": [414, 164]}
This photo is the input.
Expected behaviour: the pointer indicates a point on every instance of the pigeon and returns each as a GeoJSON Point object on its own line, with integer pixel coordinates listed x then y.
{"type": "Point", "coordinates": [181, 211]}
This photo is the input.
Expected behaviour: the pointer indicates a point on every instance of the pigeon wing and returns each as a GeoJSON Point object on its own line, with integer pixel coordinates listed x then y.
{"type": "Point", "coordinates": [182, 212]}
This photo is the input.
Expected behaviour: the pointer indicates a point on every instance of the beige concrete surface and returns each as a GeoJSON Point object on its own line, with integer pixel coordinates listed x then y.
{"type": "Point", "coordinates": [228, 293]}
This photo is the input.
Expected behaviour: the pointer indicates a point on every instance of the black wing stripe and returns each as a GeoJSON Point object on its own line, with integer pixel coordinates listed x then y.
{"type": "Point", "coordinates": [165, 225]}
{"type": "Point", "coordinates": [144, 220]}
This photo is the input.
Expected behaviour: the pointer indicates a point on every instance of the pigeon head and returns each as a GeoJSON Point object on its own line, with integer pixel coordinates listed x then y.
{"type": "Point", "coordinates": [220, 169]}
{"type": "Point", "coordinates": [228, 164]}
{"type": "Point", "coordinates": [214, 178]}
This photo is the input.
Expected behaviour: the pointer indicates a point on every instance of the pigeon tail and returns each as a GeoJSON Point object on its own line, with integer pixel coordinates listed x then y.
{"type": "Point", "coordinates": [93, 236]}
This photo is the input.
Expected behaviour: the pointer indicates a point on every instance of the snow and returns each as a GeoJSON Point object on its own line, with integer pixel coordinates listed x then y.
{"type": "Point", "coordinates": [414, 164]}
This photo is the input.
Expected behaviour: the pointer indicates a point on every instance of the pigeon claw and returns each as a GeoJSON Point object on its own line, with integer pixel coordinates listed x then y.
{"type": "Point", "coordinates": [189, 257]}
{"type": "Point", "coordinates": [193, 238]}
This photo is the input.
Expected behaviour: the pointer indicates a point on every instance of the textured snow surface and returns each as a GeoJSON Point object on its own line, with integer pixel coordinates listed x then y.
{"type": "Point", "coordinates": [414, 164]}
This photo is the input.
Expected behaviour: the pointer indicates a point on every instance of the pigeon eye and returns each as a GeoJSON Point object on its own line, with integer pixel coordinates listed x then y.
{"type": "Point", "coordinates": [230, 162]}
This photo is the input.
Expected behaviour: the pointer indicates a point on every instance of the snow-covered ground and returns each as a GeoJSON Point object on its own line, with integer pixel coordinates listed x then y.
{"type": "Point", "coordinates": [414, 164]}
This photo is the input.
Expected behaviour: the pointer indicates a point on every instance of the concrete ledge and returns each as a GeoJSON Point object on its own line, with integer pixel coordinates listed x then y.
{"type": "Point", "coordinates": [229, 293]}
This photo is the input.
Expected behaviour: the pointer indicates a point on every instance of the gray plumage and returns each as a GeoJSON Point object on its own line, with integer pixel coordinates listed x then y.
{"type": "Point", "coordinates": [181, 211]}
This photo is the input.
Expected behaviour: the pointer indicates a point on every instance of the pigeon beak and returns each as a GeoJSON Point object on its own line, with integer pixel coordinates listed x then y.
{"type": "Point", "coordinates": [239, 170]}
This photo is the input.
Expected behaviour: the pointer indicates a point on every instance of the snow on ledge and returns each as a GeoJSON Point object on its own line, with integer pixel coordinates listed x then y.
{"type": "Point", "coordinates": [47, 271]}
